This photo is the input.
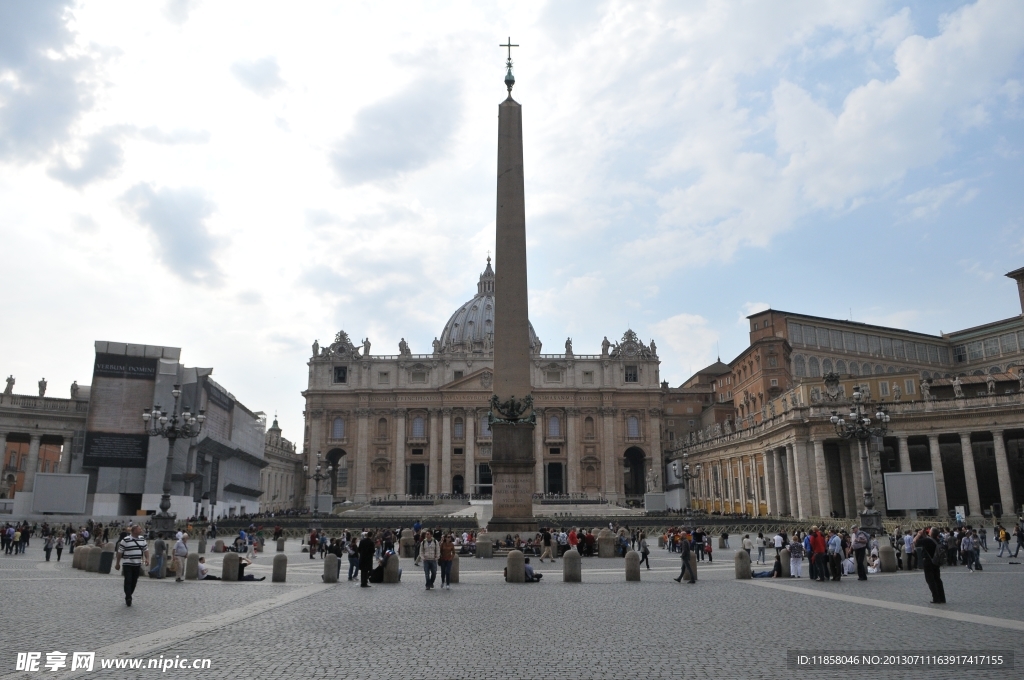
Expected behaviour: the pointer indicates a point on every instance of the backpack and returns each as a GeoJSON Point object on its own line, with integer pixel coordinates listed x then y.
{"type": "Point", "coordinates": [938, 558]}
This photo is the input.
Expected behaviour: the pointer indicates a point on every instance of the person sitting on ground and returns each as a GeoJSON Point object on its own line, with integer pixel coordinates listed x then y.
{"type": "Point", "coordinates": [776, 571]}
{"type": "Point", "coordinates": [242, 576]}
{"type": "Point", "coordinates": [531, 576]}
{"type": "Point", "coordinates": [204, 571]}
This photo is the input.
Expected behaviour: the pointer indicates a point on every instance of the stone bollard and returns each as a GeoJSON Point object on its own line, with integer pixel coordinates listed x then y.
{"type": "Point", "coordinates": [192, 567]}
{"type": "Point", "coordinates": [76, 560]}
{"type": "Point", "coordinates": [407, 544]}
{"type": "Point", "coordinates": [392, 570]}
{"type": "Point", "coordinates": [721, 542]}
{"type": "Point", "coordinates": [606, 544]}
{"type": "Point", "coordinates": [331, 568]}
{"type": "Point", "coordinates": [484, 548]}
{"type": "Point", "coordinates": [784, 558]}
{"type": "Point", "coordinates": [887, 558]}
{"type": "Point", "coordinates": [742, 562]}
{"type": "Point", "coordinates": [661, 541]}
{"type": "Point", "coordinates": [572, 567]}
{"type": "Point", "coordinates": [106, 558]}
{"type": "Point", "coordinates": [202, 546]}
{"type": "Point", "coordinates": [453, 577]}
{"type": "Point", "coordinates": [229, 571]}
{"type": "Point", "coordinates": [280, 568]}
{"type": "Point", "coordinates": [94, 559]}
{"type": "Point", "coordinates": [693, 564]}
{"type": "Point", "coordinates": [218, 547]}
{"type": "Point", "coordinates": [280, 545]}
{"type": "Point", "coordinates": [515, 567]}
{"type": "Point", "coordinates": [632, 566]}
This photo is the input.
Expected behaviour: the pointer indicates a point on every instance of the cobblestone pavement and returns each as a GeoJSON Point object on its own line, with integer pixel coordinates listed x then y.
{"type": "Point", "coordinates": [483, 627]}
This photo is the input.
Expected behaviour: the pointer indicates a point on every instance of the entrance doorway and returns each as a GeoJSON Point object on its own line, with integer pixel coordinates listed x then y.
{"type": "Point", "coordinates": [555, 479]}
{"type": "Point", "coordinates": [458, 485]}
{"type": "Point", "coordinates": [417, 479]}
{"type": "Point", "coordinates": [334, 457]}
{"type": "Point", "coordinates": [633, 472]}
{"type": "Point", "coordinates": [484, 475]}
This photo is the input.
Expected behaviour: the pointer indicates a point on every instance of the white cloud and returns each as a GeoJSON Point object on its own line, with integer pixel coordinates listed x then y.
{"type": "Point", "coordinates": [749, 308]}
{"type": "Point", "coordinates": [691, 341]}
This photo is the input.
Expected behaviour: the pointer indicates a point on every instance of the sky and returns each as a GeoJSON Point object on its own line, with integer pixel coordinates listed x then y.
{"type": "Point", "coordinates": [239, 179]}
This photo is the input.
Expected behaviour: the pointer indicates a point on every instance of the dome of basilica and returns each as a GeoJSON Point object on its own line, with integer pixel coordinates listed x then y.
{"type": "Point", "coordinates": [471, 327]}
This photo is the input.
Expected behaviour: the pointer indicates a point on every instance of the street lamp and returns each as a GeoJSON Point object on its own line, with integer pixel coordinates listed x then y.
{"type": "Point", "coordinates": [317, 476]}
{"type": "Point", "coordinates": [686, 476]}
{"type": "Point", "coordinates": [159, 424]}
{"type": "Point", "coordinates": [857, 425]}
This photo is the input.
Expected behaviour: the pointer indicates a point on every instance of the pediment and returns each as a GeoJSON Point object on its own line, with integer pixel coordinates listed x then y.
{"type": "Point", "coordinates": [479, 380]}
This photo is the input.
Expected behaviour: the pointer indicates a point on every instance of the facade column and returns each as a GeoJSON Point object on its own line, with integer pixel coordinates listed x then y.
{"type": "Point", "coordinates": [970, 475]}
{"type": "Point", "coordinates": [1003, 472]}
{"type": "Point", "coordinates": [362, 471]}
{"type": "Point", "coordinates": [609, 462]}
{"type": "Point", "coordinates": [657, 455]}
{"type": "Point", "coordinates": [434, 468]}
{"type": "Point", "coordinates": [31, 464]}
{"type": "Point", "coordinates": [824, 492]}
{"type": "Point", "coordinates": [801, 479]}
{"type": "Point", "coordinates": [769, 483]}
{"type": "Point", "coordinates": [471, 451]}
{"type": "Point", "coordinates": [400, 472]}
{"type": "Point", "coordinates": [940, 479]}
{"type": "Point", "coordinates": [781, 492]}
{"type": "Point", "coordinates": [791, 502]}
{"type": "Point", "coordinates": [904, 449]}
{"type": "Point", "coordinates": [446, 450]}
{"type": "Point", "coordinates": [65, 453]}
{"type": "Point", "coordinates": [572, 450]}
{"type": "Point", "coordinates": [538, 448]}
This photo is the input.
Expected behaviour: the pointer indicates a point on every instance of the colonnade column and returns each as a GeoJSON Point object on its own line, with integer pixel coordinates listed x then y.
{"type": "Point", "coordinates": [362, 453]}
{"type": "Point", "coordinates": [471, 451]}
{"type": "Point", "coordinates": [572, 452]}
{"type": "Point", "coordinates": [1003, 472]}
{"type": "Point", "coordinates": [657, 459]}
{"type": "Point", "coordinates": [904, 449]}
{"type": "Point", "coordinates": [446, 450]}
{"type": "Point", "coordinates": [608, 462]}
{"type": "Point", "coordinates": [857, 475]}
{"type": "Point", "coordinates": [940, 479]}
{"type": "Point", "coordinates": [824, 492]}
{"type": "Point", "coordinates": [32, 463]}
{"type": "Point", "coordinates": [538, 451]}
{"type": "Point", "coordinates": [433, 466]}
{"type": "Point", "coordinates": [65, 453]}
{"type": "Point", "coordinates": [791, 482]}
{"type": "Point", "coordinates": [399, 485]}
{"type": "Point", "coordinates": [802, 479]}
{"type": "Point", "coordinates": [755, 478]}
{"type": "Point", "coordinates": [970, 475]}
{"type": "Point", "coordinates": [769, 483]}
{"type": "Point", "coordinates": [781, 494]}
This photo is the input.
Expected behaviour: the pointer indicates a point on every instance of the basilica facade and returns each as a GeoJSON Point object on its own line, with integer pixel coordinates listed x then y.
{"type": "Point", "coordinates": [410, 424]}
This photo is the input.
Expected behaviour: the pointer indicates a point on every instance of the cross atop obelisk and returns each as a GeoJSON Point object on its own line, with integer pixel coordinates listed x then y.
{"type": "Point", "coordinates": [512, 418]}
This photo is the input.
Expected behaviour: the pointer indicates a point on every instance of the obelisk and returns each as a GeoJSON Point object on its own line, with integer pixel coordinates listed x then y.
{"type": "Point", "coordinates": [512, 419]}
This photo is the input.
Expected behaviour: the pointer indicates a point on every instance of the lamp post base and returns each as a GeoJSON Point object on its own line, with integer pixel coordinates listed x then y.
{"type": "Point", "coordinates": [164, 525]}
{"type": "Point", "coordinates": [871, 522]}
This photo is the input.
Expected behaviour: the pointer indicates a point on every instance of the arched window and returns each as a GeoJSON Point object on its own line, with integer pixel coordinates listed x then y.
{"type": "Point", "coordinates": [854, 368]}
{"type": "Point", "coordinates": [890, 369]}
{"type": "Point", "coordinates": [866, 369]}
{"type": "Point", "coordinates": [588, 428]}
{"type": "Point", "coordinates": [338, 429]}
{"type": "Point", "coordinates": [419, 427]}
{"type": "Point", "coordinates": [799, 367]}
{"type": "Point", "coordinates": [879, 370]}
{"type": "Point", "coordinates": [460, 428]}
{"type": "Point", "coordinates": [382, 428]}
{"type": "Point", "coordinates": [813, 368]}
{"type": "Point", "coordinates": [632, 426]}
{"type": "Point", "coordinates": [554, 427]}
{"type": "Point", "coordinates": [826, 365]}
{"type": "Point", "coordinates": [485, 427]}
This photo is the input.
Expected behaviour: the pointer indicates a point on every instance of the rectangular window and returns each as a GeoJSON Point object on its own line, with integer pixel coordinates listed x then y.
{"type": "Point", "coordinates": [552, 376]}
{"type": "Point", "coordinates": [837, 339]}
{"type": "Point", "coordinates": [588, 377]}
{"type": "Point", "coordinates": [459, 429]}
{"type": "Point", "coordinates": [887, 347]}
{"type": "Point", "coordinates": [874, 344]}
{"type": "Point", "coordinates": [689, 409]}
{"type": "Point", "coordinates": [960, 353]}
{"type": "Point", "coordinates": [1020, 339]}
{"type": "Point", "coordinates": [974, 350]}
{"type": "Point", "coordinates": [899, 349]}
{"type": "Point", "coordinates": [458, 375]}
{"type": "Point", "coordinates": [340, 374]}
{"type": "Point", "coordinates": [383, 378]}
{"type": "Point", "coordinates": [632, 374]}
{"type": "Point", "coordinates": [883, 388]}
{"type": "Point", "coordinates": [849, 342]}
{"type": "Point", "coordinates": [1009, 342]}
{"type": "Point", "coordinates": [419, 376]}
{"type": "Point", "coordinates": [417, 452]}
{"type": "Point", "coordinates": [796, 335]}
{"type": "Point", "coordinates": [554, 451]}
{"type": "Point", "coordinates": [457, 452]}
{"type": "Point", "coordinates": [944, 355]}
{"type": "Point", "coordinates": [862, 343]}
{"type": "Point", "coordinates": [671, 436]}
{"type": "Point", "coordinates": [690, 423]}
{"type": "Point", "coordinates": [911, 350]}
{"type": "Point", "coordinates": [909, 385]}
{"type": "Point", "coordinates": [775, 382]}
{"type": "Point", "coordinates": [823, 337]}
{"type": "Point", "coordinates": [933, 354]}
{"type": "Point", "coordinates": [991, 347]}
{"type": "Point", "coordinates": [773, 361]}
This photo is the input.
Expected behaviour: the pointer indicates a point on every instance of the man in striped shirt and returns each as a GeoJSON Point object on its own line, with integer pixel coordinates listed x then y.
{"type": "Point", "coordinates": [135, 552]}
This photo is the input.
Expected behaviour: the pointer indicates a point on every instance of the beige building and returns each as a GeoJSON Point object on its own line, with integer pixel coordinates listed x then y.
{"type": "Point", "coordinates": [282, 480]}
{"type": "Point", "coordinates": [415, 424]}
{"type": "Point", "coordinates": [956, 403]}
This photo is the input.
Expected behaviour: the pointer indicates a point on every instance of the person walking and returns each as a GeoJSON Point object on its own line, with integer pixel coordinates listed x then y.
{"type": "Point", "coordinates": [179, 554]}
{"type": "Point", "coordinates": [352, 550]}
{"type": "Point", "coordinates": [429, 552]}
{"type": "Point", "coordinates": [748, 545]}
{"type": "Point", "coordinates": [835, 555]}
{"type": "Point", "coordinates": [760, 544]}
{"type": "Point", "coordinates": [48, 546]}
{"type": "Point", "coordinates": [684, 550]}
{"type": "Point", "coordinates": [931, 558]}
{"type": "Point", "coordinates": [546, 539]}
{"type": "Point", "coordinates": [135, 553]}
{"type": "Point", "coordinates": [818, 554]}
{"type": "Point", "coordinates": [1017, 532]}
{"type": "Point", "coordinates": [645, 552]}
{"type": "Point", "coordinates": [59, 545]}
{"type": "Point", "coordinates": [365, 560]}
{"type": "Point", "coordinates": [444, 561]}
{"type": "Point", "coordinates": [1004, 541]}
{"type": "Point", "coordinates": [859, 543]}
